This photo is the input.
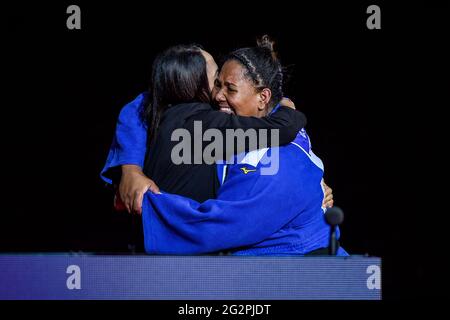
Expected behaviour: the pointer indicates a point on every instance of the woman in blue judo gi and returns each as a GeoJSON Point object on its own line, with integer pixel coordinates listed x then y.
{"type": "Point", "coordinates": [254, 213]}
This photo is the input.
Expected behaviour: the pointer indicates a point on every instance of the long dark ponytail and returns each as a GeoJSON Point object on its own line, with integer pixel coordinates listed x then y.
{"type": "Point", "coordinates": [178, 76]}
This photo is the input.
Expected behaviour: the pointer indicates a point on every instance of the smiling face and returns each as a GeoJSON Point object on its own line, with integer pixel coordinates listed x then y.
{"type": "Point", "coordinates": [235, 93]}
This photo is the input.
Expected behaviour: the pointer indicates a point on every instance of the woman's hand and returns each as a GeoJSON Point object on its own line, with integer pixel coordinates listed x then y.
{"type": "Point", "coordinates": [328, 197]}
{"type": "Point", "coordinates": [133, 185]}
{"type": "Point", "coordinates": [286, 102]}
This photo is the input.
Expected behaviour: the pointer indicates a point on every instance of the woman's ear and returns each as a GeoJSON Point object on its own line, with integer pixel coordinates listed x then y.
{"type": "Point", "coordinates": [264, 97]}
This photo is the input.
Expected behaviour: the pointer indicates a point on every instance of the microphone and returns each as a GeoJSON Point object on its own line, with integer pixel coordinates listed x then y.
{"type": "Point", "coordinates": [334, 217]}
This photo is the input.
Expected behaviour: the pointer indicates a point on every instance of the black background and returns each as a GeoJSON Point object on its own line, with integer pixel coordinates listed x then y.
{"type": "Point", "coordinates": [374, 101]}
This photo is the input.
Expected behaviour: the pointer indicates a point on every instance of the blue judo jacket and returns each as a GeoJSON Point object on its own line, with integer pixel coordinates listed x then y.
{"type": "Point", "coordinates": [255, 213]}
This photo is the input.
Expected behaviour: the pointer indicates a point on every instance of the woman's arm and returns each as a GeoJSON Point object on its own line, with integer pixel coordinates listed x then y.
{"type": "Point", "coordinates": [304, 141]}
{"type": "Point", "coordinates": [279, 128]}
{"type": "Point", "coordinates": [286, 120]}
{"type": "Point", "coordinates": [126, 157]}
{"type": "Point", "coordinates": [129, 142]}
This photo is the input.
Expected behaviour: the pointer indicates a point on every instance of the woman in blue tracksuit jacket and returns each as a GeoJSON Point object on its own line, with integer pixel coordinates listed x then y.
{"type": "Point", "coordinates": [254, 213]}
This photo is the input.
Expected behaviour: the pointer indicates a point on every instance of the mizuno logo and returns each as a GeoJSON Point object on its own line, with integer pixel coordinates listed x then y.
{"type": "Point", "coordinates": [245, 170]}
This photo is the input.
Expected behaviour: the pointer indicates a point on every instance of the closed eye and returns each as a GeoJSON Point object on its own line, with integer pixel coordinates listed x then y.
{"type": "Point", "coordinates": [231, 89]}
